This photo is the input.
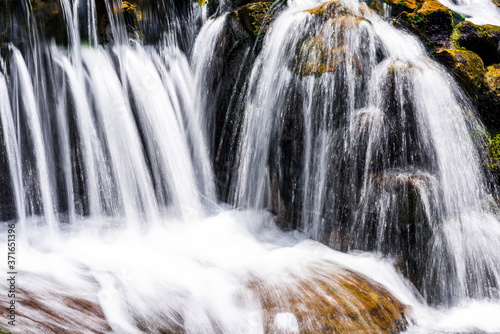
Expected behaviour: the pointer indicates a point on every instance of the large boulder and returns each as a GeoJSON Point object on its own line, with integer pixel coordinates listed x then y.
{"type": "Point", "coordinates": [466, 65]}
{"type": "Point", "coordinates": [430, 21]}
{"type": "Point", "coordinates": [482, 84]}
{"type": "Point", "coordinates": [481, 39]}
{"type": "Point", "coordinates": [332, 299]}
{"type": "Point", "coordinates": [489, 99]}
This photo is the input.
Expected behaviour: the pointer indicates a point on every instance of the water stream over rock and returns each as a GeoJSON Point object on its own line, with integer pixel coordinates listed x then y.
{"type": "Point", "coordinates": [294, 167]}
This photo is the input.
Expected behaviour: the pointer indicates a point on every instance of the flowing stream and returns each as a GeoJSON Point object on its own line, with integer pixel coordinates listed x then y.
{"type": "Point", "coordinates": [106, 171]}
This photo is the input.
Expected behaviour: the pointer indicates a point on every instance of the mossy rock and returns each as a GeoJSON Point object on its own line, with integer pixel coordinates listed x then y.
{"type": "Point", "coordinates": [252, 17]}
{"type": "Point", "coordinates": [333, 9]}
{"type": "Point", "coordinates": [320, 60]}
{"type": "Point", "coordinates": [493, 162]}
{"type": "Point", "coordinates": [432, 23]}
{"type": "Point", "coordinates": [399, 6]}
{"type": "Point", "coordinates": [466, 65]}
{"type": "Point", "coordinates": [488, 100]}
{"type": "Point", "coordinates": [327, 9]}
{"type": "Point", "coordinates": [327, 50]}
{"type": "Point", "coordinates": [482, 39]}
{"type": "Point", "coordinates": [330, 299]}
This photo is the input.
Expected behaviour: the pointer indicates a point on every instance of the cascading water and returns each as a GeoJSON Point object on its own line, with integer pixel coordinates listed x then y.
{"type": "Point", "coordinates": [388, 162]}
{"type": "Point", "coordinates": [108, 178]}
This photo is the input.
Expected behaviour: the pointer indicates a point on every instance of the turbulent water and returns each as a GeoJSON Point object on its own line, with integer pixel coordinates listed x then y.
{"type": "Point", "coordinates": [106, 171]}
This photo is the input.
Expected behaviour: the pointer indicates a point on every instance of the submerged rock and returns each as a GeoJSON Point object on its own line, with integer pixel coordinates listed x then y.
{"type": "Point", "coordinates": [332, 300]}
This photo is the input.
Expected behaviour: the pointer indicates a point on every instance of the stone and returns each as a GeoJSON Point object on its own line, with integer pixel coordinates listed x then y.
{"type": "Point", "coordinates": [465, 65]}
{"type": "Point", "coordinates": [432, 23]}
{"type": "Point", "coordinates": [481, 39]}
{"type": "Point", "coordinates": [329, 298]}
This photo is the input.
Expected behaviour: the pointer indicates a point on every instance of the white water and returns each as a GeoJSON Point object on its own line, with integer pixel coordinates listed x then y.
{"type": "Point", "coordinates": [476, 11]}
{"type": "Point", "coordinates": [146, 240]}
{"type": "Point", "coordinates": [368, 126]}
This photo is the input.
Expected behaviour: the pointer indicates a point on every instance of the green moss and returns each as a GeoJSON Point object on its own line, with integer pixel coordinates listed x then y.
{"type": "Point", "coordinates": [404, 4]}
{"type": "Point", "coordinates": [493, 162]}
{"type": "Point", "coordinates": [467, 65]}
{"type": "Point", "coordinates": [457, 18]}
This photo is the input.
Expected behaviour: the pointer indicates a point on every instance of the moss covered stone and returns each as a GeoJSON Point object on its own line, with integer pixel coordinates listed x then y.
{"type": "Point", "coordinates": [252, 17]}
{"type": "Point", "coordinates": [333, 9]}
{"type": "Point", "coordinates": [432, 23]}
{"type": "Point", "coordinates": [482, 39]}
{"type": "Point", "coordinates": [466, 65]}
{"type": "Point", "coordinates": [332, 299]}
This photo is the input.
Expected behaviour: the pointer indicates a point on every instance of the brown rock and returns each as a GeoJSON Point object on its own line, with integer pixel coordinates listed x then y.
{"type": "Point", "coordinates": [330, 299]}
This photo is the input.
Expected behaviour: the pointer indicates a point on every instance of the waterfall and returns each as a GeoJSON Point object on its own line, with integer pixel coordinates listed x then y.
{"type": "Point", "coordinates": [146, 193]}
{"type": "Point", "coordinates": [367, 134]}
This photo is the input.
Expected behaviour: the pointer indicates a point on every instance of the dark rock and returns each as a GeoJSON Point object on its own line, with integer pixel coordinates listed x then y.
{"type": "Point", "coordinates": [488, 100]}
{"type": "Point", "coordinates": [465, 65]}
{"type": "Point", "coordinates": [483, 40]}
{"type": "Point", "coordinates": [236, 53]}
{"type": "Point", "coordinates": [399, 227]}
{"type": "Point", "coordinates": [432, 23]}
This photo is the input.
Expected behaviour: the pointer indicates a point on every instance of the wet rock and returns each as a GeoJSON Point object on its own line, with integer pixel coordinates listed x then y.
{"type": "Point", "coordinates": [481, 39]}
{"type": "Point", "coordinates": [397, 7]}
{"type": "Point", "coordinates": [50, 20]}
{"type": "Point", "coordinates": [466, 65]}
{"type": "Point", "coordinates": [236, 52]}
{"type": "Point", "coordinates": [334, 8]}
{"type": "Point", "coordinates": [332, 299]}
{"type": "Point", "coordinates": [252, 17]}
{"type": "Point", "coordinates": [215, 7]}
{"type": "Point", "coordinates": [489, 100]}
{"type": "Point", "coordinates": [432, 23]}
{"type": "Point", "coordinates": [395, 221]}
{"type": "Point", "coordinates": [482, 84]}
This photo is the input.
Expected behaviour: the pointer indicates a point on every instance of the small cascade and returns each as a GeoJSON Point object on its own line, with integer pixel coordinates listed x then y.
{"type": "Point", "coordinates": [369, 142]}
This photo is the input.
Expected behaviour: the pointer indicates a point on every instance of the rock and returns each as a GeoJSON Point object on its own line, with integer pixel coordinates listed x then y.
{"type": "Point", "coordinates": [397, 7]}
{"type": "Point", "coordinates": [334, 8]}
{"type": "Point", "coordinates": [488, 100]}
{"type": "Point", "coordinates": [432, 23]}
{"type": "Point", "coordinates": [252, 17]}
{"type": "Point", "coordinates": [330, 299]}
{"type": "Point", "coordinates": [237, 50]}
{"type": "Point", "coordinates": [483, 40]}
{"type": "Point", "coordinates": [394, 222]}
{"type": "Point", "coordinates": [493, 160]}
{"type": "Point", "coordinates": [50, 20]}
{"type": "Point", "coordinates": [483, 85]}
{"type": "Point", "coordinates": [327, 50]}
{"type": "Point", "coordinates": [465, 65]}
{"type": "Point", "coordinates": [215, 7]}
